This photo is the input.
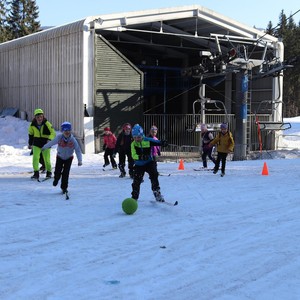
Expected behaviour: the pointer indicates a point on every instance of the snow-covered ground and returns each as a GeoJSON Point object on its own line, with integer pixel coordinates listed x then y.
{"type": "Point", "coordinates": [236, 237]}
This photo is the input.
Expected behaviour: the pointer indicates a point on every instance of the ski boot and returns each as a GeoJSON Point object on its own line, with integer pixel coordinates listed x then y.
{"type": "Point", "coordinates": [36, 175]}
{"type": "Point", "coordinates": [158, 196]}
{"type": "Point", "coordinates": [64, 191]}
{"type": "Point", "coordinates": [55, 182]}
{"type": "Point", "coordinates": [49, 174]}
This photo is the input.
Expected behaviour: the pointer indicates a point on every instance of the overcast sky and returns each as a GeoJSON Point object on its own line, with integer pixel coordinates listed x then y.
{"type": "Point", "coordinates": [253, 13]}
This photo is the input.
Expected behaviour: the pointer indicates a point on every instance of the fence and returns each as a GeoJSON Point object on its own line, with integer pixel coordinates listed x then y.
{"type": "Point", "coordinates": [185, 142]}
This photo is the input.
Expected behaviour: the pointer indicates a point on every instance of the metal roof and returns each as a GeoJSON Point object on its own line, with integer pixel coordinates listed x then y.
{"type": "Point", "coordinates": [180, 31]}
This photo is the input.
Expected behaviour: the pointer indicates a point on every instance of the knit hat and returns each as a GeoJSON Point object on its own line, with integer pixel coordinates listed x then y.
{"type": "Point", "coordinates": [203, 127]}
{"type": "Point", "coordinates": [106, 129]}
{"type": "Point", "coordinates": [224, 126]}
{"type": "Point", "coordinates": [38, 111]}
{"type": "Point", "coordinates": [137, 130]}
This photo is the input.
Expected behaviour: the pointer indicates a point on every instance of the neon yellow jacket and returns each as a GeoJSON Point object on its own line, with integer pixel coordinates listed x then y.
{"type": "Point", "coordinates": [39, 135]}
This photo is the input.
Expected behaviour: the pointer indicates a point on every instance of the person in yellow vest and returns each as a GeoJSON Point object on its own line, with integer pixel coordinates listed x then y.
{"type": "Point", "coordinates": [40, 131]}
{"type": "Point", "coordinates": [225, 144]}
{"type": "Point", "coordinates": [143, 162]}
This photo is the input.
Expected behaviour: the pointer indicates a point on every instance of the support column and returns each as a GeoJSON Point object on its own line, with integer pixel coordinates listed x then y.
{"type": "Point", "coordinates": [240, 149]}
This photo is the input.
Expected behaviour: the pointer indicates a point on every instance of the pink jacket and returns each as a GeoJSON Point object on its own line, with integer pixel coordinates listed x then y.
{"type": "Point", "coordinates": [155, 150]}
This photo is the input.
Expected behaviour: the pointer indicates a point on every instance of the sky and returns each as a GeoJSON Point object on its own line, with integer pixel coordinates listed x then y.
{"type": "Point", "coordinates": [235, 237]}
{"type": "Point", "coordinates": [253, 13]}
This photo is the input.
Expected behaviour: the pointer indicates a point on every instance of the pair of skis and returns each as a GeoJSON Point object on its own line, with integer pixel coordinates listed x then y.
{"type": "Point", "coordinates": [165, 202]}
{"type": "Point", "coordinates": [41, 180]}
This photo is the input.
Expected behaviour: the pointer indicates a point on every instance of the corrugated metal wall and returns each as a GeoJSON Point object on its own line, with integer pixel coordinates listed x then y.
{"type": "Point", "coordinates": [45, 70]}
{"type": "Point", "coordinates": [118, 90]}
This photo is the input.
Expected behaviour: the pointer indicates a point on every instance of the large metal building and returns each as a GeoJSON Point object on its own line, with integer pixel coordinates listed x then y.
{"type": "Point", "coordinates": [106, 70]}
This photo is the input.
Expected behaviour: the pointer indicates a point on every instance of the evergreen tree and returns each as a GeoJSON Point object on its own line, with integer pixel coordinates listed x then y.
{"type": "Point", "coordinates": [270, 29]}
{"type": "Point", "coordinates": [289, 33]}
{"type": "Point", "coordinates": [3, 23]}
{"type": "Point", "coordinates": [32, 15]}
{"type": "Point", "coordinates": [22, 18]}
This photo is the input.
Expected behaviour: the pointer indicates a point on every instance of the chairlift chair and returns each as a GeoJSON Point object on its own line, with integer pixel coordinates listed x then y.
{"type": "Point", "coordinates": [215, 106]}
{"type": "Point", "coordinates": [272, 107]}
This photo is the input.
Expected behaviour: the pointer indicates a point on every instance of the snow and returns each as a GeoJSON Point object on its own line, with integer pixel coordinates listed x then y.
{"type": "Point", "coordinates": [235, 237]}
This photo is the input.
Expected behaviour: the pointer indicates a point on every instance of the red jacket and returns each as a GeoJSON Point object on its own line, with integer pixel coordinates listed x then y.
{"type": "Point", "coordinates": [110, 140]}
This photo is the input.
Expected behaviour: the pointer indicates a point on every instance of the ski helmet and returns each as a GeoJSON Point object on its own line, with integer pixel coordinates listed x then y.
{"type": "Point", "coordinates": [38, 111]}
{"type": "Point", "coordinates": [66, 126]}
{"type": "Point", "coordinates": [137, 130]}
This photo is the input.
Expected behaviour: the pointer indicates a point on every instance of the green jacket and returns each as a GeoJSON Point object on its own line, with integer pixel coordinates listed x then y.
{"type": "Point", "coordinates": [39, 135]}
{"type": "Point", "coordinates": [141, 151]}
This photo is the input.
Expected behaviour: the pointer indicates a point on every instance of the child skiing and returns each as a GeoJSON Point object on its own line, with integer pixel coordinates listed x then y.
{"type": "Point", "coordinates": [66, 145]}
{"type": "Point", "coordinates": [40, 131]}
{"type": "Point", "coordinates": [225, 143]}
{"type": "Point", "coordinates": [143, 162]}
{"type": "Point", "coordinates": [109, 144]}
{"type": "Point", "coordinates": [123, 148]}
{"type": "Point", "coordinates": [207, 137]}
{"type": "Point", "coordinates": [155, 150]}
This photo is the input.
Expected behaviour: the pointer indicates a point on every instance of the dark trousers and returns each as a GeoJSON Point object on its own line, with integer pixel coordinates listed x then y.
{"type": "Point", "coordinates": [139, 172]}
{"type": "Point", "coordinates": [62, 169]}
{"type": "Point", "coordinates": [122, 162]}
{"type": "Point", "coordinates": [207, 153]}
{"type": "Point", "coordinates": [109, 153]}
{"type": "Point", "coordinates": [221, 158]}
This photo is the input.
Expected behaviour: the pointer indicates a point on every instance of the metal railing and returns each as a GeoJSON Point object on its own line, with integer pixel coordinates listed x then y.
{"type": "Point", "coordinates": [185, 142]}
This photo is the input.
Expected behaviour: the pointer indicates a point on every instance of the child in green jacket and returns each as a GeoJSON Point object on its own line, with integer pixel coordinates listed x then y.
{"type": "Point", "coordinates": [144, 162]}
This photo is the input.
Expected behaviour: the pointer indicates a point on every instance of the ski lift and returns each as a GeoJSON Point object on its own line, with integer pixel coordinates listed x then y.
{"type": "Point", "coordinates": [207, 105]}
{"type": "Point", "coordinates": [271, 107]}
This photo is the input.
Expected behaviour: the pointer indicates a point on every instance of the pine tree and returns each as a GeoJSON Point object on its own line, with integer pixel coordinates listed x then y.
{"type": "Point", "coordinates": [22, 18]}
{"type": "Point", "coordinates": [3, 22]}
{"type": "Point", "coordinates": [290, 34]}
{"type": "Point", "coordinates": [270, 29]}
{"type": "Point", "coordinates": [32, 24]}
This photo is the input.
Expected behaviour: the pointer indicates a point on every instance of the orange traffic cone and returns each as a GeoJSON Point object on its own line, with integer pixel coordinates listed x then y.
{"type": "Point", "coordinates": [181, 166]}
{"type": "Point", "coordinates": [265, 169]}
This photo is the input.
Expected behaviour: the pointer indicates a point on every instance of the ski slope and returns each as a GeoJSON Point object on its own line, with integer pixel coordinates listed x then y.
{"type": "Point", "coordinates": [236, 237]}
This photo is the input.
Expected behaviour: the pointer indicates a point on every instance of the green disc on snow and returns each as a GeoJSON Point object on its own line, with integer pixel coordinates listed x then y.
{"type": "Point", "coordinates": [129, 206]}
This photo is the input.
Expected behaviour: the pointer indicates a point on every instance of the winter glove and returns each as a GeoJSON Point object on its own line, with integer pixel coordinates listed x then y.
{"type": "Point", "coordinates": [29, 146]}
{"type": "Point", "coordinates": [144, 157]}
{"type": "Point", "coordinates": [79, 163]}
{"type": "Point", "coordinates": [164, 143]}
{"type": "Point", "coordinates": [114, 155]}
{"type": "Point", "coordinates": [104, 147]}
